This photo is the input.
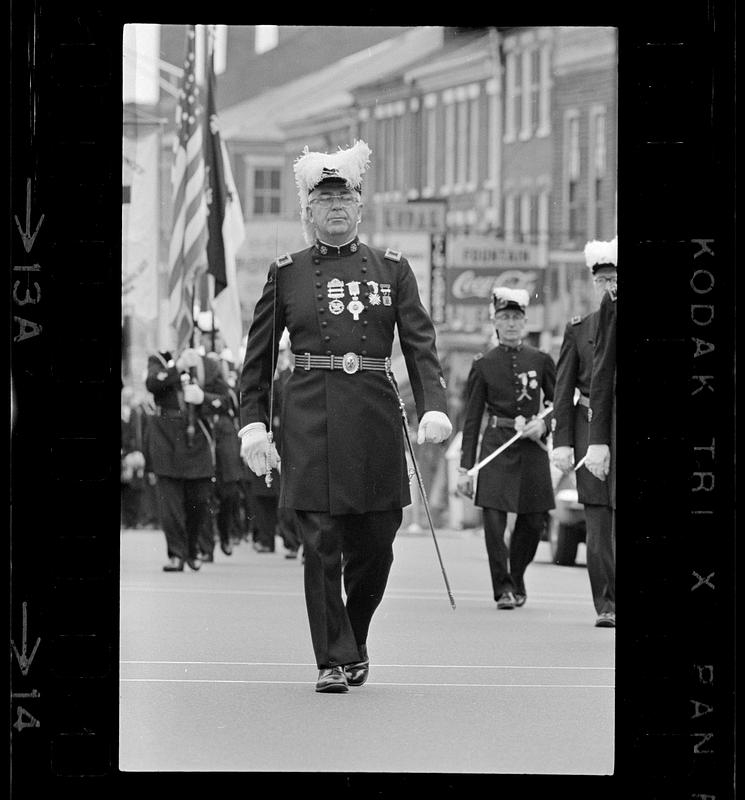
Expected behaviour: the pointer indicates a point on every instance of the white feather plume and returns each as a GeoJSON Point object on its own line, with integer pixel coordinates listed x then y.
{"type": "Point", "coordinates": [312, 167]}
{"type": "Point", "coordinates": [597, 252]}
{"type": "Point", "coordinates": [505, 294]}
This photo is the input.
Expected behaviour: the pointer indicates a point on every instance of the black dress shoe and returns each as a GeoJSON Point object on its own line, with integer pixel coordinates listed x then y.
{"type": "Point", "coordinates": [194, 563]}
{"type": "Point", "coordinates": [606, 620]}
{"type": "Point", "coordinates": [506, 600]}
{"type": "Point", "coordinates": [358, 671]}
{"type": "Point", "coordinates": [227, 548]}
{"type": "Point", "coordinates": [208, 558]}
{"type": "Point", "coordinates": [520, 599]}
{"type": "Point", "coordinates": [332, 679]}
{"type": "Point", "coordinates": [174, 565]}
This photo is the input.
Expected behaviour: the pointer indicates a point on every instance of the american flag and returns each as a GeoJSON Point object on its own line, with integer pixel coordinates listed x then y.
{"type": "Point", "coordinates": [187, 254]}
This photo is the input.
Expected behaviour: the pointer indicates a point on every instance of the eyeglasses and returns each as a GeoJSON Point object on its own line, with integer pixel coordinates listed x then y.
{"type": "Point", "coordinates": [326, 200]}
{"type": "Point", "coordinates": [601, 280]}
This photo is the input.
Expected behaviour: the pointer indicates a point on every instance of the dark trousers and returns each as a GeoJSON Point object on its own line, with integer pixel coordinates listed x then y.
{"type": "Point", "coordinates": [600, 543]}
{"type": "Point", "coordinates": [265, 519]}
{"type": "Point", "coordinates": [508, 567]}
{"type": "Point", "coordinates": [287, 527]}
{"type": "Point", "coordinates": [184, 513]}
{"type": "Point", "coordinates": [228, 511]}
{"type": "Point", "coordinates": [358, 550]}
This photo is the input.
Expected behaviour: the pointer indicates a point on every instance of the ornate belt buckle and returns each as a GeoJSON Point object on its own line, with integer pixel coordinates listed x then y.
{"type": "Point", "coordinates": [350, 363]}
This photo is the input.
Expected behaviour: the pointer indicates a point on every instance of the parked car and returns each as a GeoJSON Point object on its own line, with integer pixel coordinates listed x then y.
{"type": "Point", "coordinates": [566, 525]}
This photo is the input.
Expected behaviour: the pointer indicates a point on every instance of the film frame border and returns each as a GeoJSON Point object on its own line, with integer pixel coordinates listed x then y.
{"type": "Point", "coordinates": [675, 683]}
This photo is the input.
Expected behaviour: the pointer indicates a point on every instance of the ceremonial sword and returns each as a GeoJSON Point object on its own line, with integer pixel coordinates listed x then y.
{"type": "Point", "coordinates": [405, 421]}
{"type": "Point", "coordinates": [503, 447]}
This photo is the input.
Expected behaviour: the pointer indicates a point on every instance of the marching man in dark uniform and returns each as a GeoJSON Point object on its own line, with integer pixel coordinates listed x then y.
{"type": "Point", "coordinates": [601, 453]}
{"type": "Point", "coordinates": [228, 464]}
{"type": "Point", "coordinates": [571, 429]}
{"type": "Point", "coordinates": [513, 382]}
{"type": "Point", "coordinates": [180, 450]}
{"type": "Point", "coordinates": [343, 467]}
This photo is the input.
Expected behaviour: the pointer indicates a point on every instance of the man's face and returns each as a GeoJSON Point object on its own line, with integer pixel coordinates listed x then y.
{"type": "Point", "coordinates": [510, 325]}
{"type": "Point", "coordinates": [603, 279]}
{"type": "Point", "coordinates": [335, 212]}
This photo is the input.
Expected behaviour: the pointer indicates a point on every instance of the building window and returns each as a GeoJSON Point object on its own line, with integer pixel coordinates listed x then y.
{"type": "Point", "coordinates": [448, 101]}
{"type": "Point", "coordinates": [572, 176]}
{"type": "Point", "coordinates": [535, 89]}
{"type": "Point", "coordinates": [475, 138]}
{"type": "Point", "coordinates": [597, 172]}
{"type": "Point", "coordinates": [462, 144]}
{"type": "Point", "coordinates": [513, 100]}
{"type": "Point", "coordinates": [263, 188]}
{"type": "Point", "coordinates": [266, 38]}
{"type": "Point", "coordinates": [544, 99]}
{"type": "Point", "coordinates": [430, 145]}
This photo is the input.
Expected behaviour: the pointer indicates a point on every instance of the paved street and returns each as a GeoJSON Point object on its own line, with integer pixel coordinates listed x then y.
{"type": "Point", "coordinates": [217, 670]}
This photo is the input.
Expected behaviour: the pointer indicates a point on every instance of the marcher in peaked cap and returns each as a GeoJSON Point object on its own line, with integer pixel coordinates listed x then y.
{"type": "Point", "coordinates": [571, 434]}
{"type": "Point", "coordinates": [343, 465]}
{"type": "Point", "coordinates": [512, 383]}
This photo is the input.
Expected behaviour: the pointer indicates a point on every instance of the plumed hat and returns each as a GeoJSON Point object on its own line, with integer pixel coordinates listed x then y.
{"type": "Point", "coordinates": [343, 167]}
{"type": "Point", "coordinates": [503, 298]}
{"type": "Point", "coordinates": [601, 254]}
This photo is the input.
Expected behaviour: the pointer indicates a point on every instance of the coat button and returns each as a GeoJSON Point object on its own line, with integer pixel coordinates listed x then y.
{"type": "Point", "coordinates": [328, 352]}
{"type": "Point", "coordinates": [326, 338]}
{"type": "Point", "coordinates": [318, 285]}
{"type": "Point", "coordinates": [364, 269]}
{"type": "Point", "coordinates": [363, 352]}
{"type": "Point", "coordinates": [316, 260]}
{"type": "Point", "coordinates": [321, 310]}
{"type": "Point", "coordinates": [364, 258]}
{"type": "Point", "coordinates": [364, 322]}
{"type": "Point", "coordinates": [363, 338]}
{"type": "Point", "coordinates": [324, 324]}
{"type": "Point", "coordinates": [318, 272]}
{"type": "Point", "coordinates": [319, 296]}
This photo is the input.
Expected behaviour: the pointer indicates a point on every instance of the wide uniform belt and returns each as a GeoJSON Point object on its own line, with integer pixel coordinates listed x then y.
{"type": "Point", "coordinates": [583, 400]}
{"type": "Point", "coordinates": [169, 413]}
{"type": "Point", "coordinates": [501, 422]}
{"type": "Point", "coordinates": [349, 363]}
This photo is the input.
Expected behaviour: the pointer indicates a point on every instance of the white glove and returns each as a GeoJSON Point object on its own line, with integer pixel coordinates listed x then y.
{"type": "Point", "coordinates": [534, 429]}
{"type": "Point", "coordinates": [193, 394]}
{"type": "Point", "coordinates": [135, 460]}
{"type": "Point", "coordinates": [563, 458]}
{"type": "Point", "coordinates": [465, 485]}
{"type": "Point", "coordinates": [597, 460]}
{"type": "Point", "coordinates": [256, 450]}
{"type": "Point", "coordinates": [434, 427]}
{"type": "Point", "coordinates": [189, 358]}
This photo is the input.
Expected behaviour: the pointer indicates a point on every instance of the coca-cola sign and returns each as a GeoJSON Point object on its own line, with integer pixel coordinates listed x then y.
{"type": "Point", "coordinates": [469, 286]}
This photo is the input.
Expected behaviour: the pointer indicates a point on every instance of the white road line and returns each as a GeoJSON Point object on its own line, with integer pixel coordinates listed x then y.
{"type": "Point", "coordinates": [376, 665]}
{"type": "Point", "coordinates": [380, 683]}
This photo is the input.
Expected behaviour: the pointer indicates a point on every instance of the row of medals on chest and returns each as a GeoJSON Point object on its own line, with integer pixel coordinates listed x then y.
{"type": "Point", "coordinates": [377, 294]}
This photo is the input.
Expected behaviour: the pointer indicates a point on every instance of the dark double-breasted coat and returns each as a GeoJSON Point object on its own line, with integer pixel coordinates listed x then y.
{"type": "Point", "coordinates": [603, 385]}
{"type": "Point", "coordinates": [507, 383]}
{"type": "Point", "coordinates": [342, 440]}
{"type": "Point", "coordinates": [168, 452]}
{"type": "Point", "coordinates": [570, 420]}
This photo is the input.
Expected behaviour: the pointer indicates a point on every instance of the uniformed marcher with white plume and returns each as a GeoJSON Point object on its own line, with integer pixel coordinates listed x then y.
{"type": "Point", "coordinates": [343, 466]}
{"type": "Point", "coordinates": [513, 383]}
{"type": "Point", "coordinates": [571, 434]}
{"type": "Point", "coordinates": [601, 453]}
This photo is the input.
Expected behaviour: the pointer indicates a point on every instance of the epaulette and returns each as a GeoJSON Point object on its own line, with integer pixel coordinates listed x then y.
{"type": "Point", "coordinates": [284, 260]}
{"type": "Point", "coordinates": [575, 320]}
{"type": "Point", "coordinates": [613, 292]}
{"type": "Point", "coordinates": [393, 255]}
